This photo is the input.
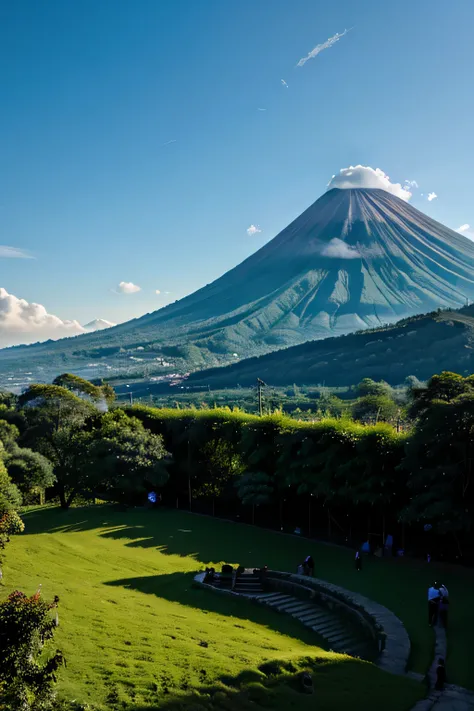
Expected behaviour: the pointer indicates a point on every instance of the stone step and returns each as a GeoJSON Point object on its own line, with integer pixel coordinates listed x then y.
{"type": "Point", "coordinates": [279, 601]}
{"type": "Point", "coordinates": [341, 639]}
{"type": "Point", "coordinates": [315, 614]}
{"type": "Point", "coordinates": [294, 605]}
{"type": "Point", "coordinates": [325, 629]}
{"type": "Point", "coordinates": [323, 622]}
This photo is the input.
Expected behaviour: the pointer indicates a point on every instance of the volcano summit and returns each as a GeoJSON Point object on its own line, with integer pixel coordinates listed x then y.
{"type": "Point", "coordinates": [357, 258]}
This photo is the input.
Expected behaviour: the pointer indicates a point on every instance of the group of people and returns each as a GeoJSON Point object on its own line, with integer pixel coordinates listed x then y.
{"type": "Point", "coordinates": [438, 605]}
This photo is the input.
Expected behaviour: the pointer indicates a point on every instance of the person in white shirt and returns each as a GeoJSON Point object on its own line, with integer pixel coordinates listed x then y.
{"type": "Point", "coordinates": [433, 604]}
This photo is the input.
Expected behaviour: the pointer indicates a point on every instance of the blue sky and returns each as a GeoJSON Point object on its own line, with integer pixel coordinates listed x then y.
{"type": "Point", "coordinates": [93, 92]}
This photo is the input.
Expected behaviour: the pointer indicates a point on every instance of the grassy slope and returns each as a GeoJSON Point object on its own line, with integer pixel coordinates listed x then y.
{"type": "Point", "coordinates": [131, 623]}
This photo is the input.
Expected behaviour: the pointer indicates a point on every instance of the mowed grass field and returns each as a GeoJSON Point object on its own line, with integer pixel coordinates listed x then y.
{"type": "Point", "coordinates": [137, 635]}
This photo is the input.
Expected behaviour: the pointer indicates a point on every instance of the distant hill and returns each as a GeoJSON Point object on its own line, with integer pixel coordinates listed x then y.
{"type": "Point", "coordinates": [420, 345]}
{"type": "Point", "coordinates": [357, 258]}
{"type": "Point", "coordinates": [98, 324]}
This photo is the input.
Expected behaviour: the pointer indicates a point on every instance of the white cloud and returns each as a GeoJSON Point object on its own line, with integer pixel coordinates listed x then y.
{"type": "Point", "coordinates": [321, 47]}
{"type": "Point", "coordinates": [173, 140]}
{"type": "Point", "coordinates": [157, 291]}
{"type": "Point", "coordinates": [253, 230]}
{"type": "Point", "coordinates": [362, 176]}
{"type": "Point", "coordinates": [24, 322]}
{"type": "Point", "coordinates": [432, 196]}
{"type": "Point", "coordinates": [128, 287]}
{"type": "Point", "coordinates": [259, 109]}
{"type": "Point", "coordinates": [14, 253]}
{"type": "Point", "coordinates": [412, 184]}
{"type": "Point", "coordinates": [284, 83]}
{"type": "Point", "coordinates": [337, 248]}
{"type": "Point", "coordinates": [466, 231]}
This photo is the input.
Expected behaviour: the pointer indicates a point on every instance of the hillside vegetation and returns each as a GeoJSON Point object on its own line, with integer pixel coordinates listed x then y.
{"type": "Point", "coordinates": [419, 346]}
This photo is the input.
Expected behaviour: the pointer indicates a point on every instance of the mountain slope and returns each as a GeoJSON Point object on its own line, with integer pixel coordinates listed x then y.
{"type": "Point", "coordinates": [356, 258]}
{"type": "Point", "coordinates": [420, 345]}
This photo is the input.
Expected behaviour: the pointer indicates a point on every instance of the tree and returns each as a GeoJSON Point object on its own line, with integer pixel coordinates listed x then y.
{"type": "Point", "coordinates": [27, 675]}
{"type": "Point", "coordinates": [30, 471]}
{"type": "Point", "coordinates": [123, 458]}
{"type": "Point", "coordinates": [444, 387]}
{"type": "Point", "coordinates": [100, 394]}
{"type": "Point", "coordinates": [59, 426]}
{"type": "Point", "coordinates": [10, 500]}
{"type": "Point", "coordinates": [10, 496]}
{"type": "Point", "coordinates": [367, 386]}
{"type": "Point", "coordinates": [375, 408]}
{"type": "Point", "coordinates": [439, 455]}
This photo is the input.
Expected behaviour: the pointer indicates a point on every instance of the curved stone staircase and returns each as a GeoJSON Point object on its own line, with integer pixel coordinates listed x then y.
{"type": "Point", "coordinates": [340, 635]}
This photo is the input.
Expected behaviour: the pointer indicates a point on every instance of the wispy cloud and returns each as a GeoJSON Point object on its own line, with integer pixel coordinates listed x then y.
{"type": "Point", "coordinates": [253, 230]}
{"type": "Point", "coordinates": [321, 47]}
{"type": "Point", "coordinates": [284, 83]}
{"type": "Point", "coordinates": [173, 140]}
{"type": "Point", "coordinates": [261, 109]}
{"type": "Point", "coordinates": [128, 287]}
{"type": "Point", "coordinates": [14, 253]}
{"type": "Point", "coordinates": [432, 196]}
{"type": "Point", "coordinates": [157, 291]}
{"type": "Point", "coordinates": [412, 184]}
{"type": "Point", "coordinates": [463, 228]}
{"type": "Point", "coordinates": [338, 249]}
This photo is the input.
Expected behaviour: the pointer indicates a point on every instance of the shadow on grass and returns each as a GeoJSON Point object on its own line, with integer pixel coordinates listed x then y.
{"type": "Point", "coordinates": [178, 587]}
{"type": "Point", "coordinates": [339, 684]}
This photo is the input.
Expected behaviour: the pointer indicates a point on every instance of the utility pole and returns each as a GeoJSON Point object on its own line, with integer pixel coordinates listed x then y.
{"type": "Point", "coordinates": [260, 386]}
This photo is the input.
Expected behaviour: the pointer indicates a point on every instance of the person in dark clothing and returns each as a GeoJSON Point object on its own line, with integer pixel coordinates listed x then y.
{"type": "Point", "coordinates": [358, 561]}
{"type": "Point", "coordinates": [443, 608]}
{"type": "Point", "coordinates": [433, 604]}
{"type": "Point", "coordinates": [440, 675]}
{"type": "Point", "coordinates": [308, 565]}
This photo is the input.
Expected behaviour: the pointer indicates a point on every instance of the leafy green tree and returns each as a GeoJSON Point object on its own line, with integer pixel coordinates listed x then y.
{"type": "Point", "coordinates": [59, 426]}
{"type": "Point", "coordinates": [367, 386]}
{"type": "Point", "coordinates": [79, 386]}
{"type": "Point", "coordinates": [10, 496]}
{"type": "Point", "coordinates": [29, 470]}
{"type": "Point", "coordinates": [439, 455]}
{"type": "Point", "coordinates": [123, 458]}
{"type": "Point", "coordinates": [255, 488]}
{"type": "Point", "coordinates": [375, 408]}
{"type": "Point", "coordinates": [27, 672]}
{"type": "Point", "coordinates": [444, 387]}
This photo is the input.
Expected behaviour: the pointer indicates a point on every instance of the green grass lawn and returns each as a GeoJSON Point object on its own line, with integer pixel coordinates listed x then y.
{"type": "Point", "coordinates": [137, 635]}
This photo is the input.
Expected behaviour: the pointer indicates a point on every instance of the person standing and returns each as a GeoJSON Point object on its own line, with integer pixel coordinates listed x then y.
{"type": "Point", "coordinates": [358, 561]}
{"type": "Point", "coordinates": [443, 606]}
{"type": "Point", "coordinates": [440, 675]}
{"type": "Point", "coordinates": [308, 566]}
{"type": "Point", "coordinates": [433, 603]}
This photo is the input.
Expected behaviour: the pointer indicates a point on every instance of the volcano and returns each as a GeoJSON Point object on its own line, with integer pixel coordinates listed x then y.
{"type": "Point", "coordinates": [357, 258]}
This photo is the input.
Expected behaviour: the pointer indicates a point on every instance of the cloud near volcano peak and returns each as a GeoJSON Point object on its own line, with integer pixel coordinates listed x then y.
{"type": "Point", "coordinates": [363, 176]}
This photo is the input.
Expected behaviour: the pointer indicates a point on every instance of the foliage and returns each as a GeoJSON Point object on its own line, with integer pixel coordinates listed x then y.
{"type": "Point", "coordinates": [26, 676]}
{"type": "Point", "coordinates": [10, 497]}
{"type": "Point", "coordinates": [439, 454]}
{"type": "Point", "coordinates": [98, 393]}
{"type": "Point", "coordinates": [368, 387]}
{"type": "Point", "coordinates": [375, 408]}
